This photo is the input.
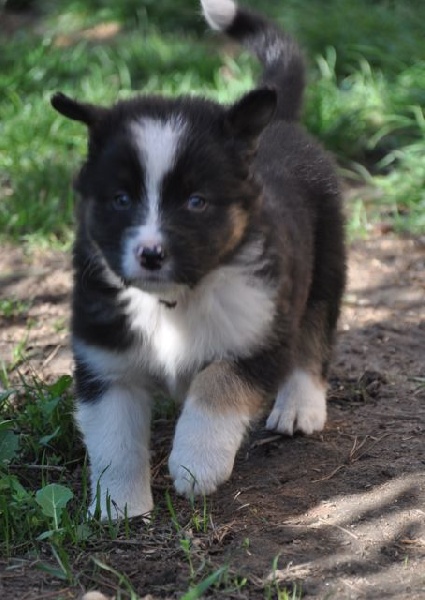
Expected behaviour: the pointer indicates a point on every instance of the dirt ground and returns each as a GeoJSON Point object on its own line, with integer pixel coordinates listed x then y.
{"type": "Point", "coordinates": [340, 514]}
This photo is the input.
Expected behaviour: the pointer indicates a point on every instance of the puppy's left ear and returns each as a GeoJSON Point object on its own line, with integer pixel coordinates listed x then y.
{"type": "Point", "coordinates": [77, 111]}
{"type": "Point", "coordinates": [252, 113]}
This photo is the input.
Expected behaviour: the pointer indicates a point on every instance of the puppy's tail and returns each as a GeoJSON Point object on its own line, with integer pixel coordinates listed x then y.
{"type": "Point", "coordinates": [280, 56]}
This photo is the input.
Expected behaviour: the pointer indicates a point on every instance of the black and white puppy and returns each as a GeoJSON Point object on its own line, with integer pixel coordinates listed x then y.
{"type": "Point", "coordinates": [209, 262]}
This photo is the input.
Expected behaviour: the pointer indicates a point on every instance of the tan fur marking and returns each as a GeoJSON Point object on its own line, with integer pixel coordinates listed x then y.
{"type": "Point", "coordinates": [220, 389]}
{"type": "Point", "coordinates": [239, 219]}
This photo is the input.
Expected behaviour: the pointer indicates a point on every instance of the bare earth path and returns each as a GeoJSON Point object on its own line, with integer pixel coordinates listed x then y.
{"type": "Point", "coordinates": [341, 514]}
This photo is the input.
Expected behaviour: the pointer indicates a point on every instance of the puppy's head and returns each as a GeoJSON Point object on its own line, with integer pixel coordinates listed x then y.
{"type": "Point", "coordinates": [167, 193]}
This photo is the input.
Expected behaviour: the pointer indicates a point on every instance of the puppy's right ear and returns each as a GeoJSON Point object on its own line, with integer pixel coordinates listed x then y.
{"type": "Point", "coordinates": [77, 111]}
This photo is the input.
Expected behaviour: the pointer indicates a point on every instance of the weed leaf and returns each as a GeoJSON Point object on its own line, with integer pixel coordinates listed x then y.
{"type": "Point", "coordinates": [46, 535]}
{"type": "Point", "coordinates": [9, 443]}
{"type": "Point", "coordinates": [53, 498]}
{"type": "Point", "coordinates": [44, 441]}
{"type": "Point", "coordinates": [60, 386]}
{"type": "Point", "coordinates": [51, 571]}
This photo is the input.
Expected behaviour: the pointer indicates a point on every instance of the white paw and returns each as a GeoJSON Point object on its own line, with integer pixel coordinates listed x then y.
{"type": "Point", "coordinates": [118, 505]}
{"type": "Point", "coordinates": [300, 405]}
{"type": "Point", "coordinates": [204, 449]}
{"type": "Point", "coordinates": [199, 473]}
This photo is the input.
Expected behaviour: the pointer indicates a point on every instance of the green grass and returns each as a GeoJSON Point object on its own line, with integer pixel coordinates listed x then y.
{"type": "Point", "coordinates": [367, 84]}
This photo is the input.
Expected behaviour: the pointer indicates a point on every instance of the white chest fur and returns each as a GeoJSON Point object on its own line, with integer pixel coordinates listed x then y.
{"type": "Point", "coordinates": [227, 315]}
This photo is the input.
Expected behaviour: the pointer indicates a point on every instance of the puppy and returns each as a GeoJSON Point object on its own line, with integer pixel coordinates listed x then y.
{"type": "Point", "coordinates": [209, 262]}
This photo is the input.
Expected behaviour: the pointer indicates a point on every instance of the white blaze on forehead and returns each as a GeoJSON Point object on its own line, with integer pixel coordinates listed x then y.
{"type": "Point", "coordinates": [157, 143]}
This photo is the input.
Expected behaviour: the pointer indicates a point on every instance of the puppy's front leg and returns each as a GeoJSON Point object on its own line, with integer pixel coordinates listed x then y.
{"type": "Point", "coordinates": [215, 417]}
{"type": "Point", "coordinates": [116, 429]}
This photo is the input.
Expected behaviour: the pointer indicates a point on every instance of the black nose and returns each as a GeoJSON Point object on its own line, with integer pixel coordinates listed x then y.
{"type": "Point", "coordinates": [152, 258]}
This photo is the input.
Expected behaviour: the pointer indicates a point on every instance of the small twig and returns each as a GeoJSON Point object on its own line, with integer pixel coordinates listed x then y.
{"type": "Point", "coordinates": [353, 535]}
{"type": "Point", "coordinates": [399, 417]}
{"type": "Point", "coordinates": [414, 542]}
{"type": "Point", "coordinates": [128, 543]}
{"type": "Point", "coordinates": [355, 448]}
{"type": "Point", "coordinates": [55, 594]}
{"type": "Point", "coordinates": [375, 441]}
{"type": "Point", "coordinates": [354, 454]}
{"type": "Point", "coordinates": [327, 477]}
{"type": "Point", "coordinates": [51, 356]}
{"type": "Point", "coordinates": [158, 466]}
{"type": "Point", "coordinates": [39, 467]}
{"type": "Point", "coordinates": [264, 441]}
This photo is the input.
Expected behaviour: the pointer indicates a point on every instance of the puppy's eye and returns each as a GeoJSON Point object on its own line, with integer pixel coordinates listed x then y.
{"type": "Point", "coordinates": [121, 201]}
{"type": "Point", "coordinates": [196, 203]}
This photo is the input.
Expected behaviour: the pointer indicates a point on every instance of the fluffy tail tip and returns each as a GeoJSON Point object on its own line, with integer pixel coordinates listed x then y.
{"type": "Point", "coordinates": [219, 14]}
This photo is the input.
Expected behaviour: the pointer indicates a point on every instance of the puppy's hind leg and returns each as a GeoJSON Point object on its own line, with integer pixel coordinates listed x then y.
{"type": "Point", "coordinates": [301, 399]}
{"type": "Point", "coordinates": [300, 404]}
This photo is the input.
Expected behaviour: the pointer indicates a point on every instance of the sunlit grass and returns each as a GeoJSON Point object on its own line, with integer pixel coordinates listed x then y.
{"type": "Point", "coordinates": [366, 84]}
